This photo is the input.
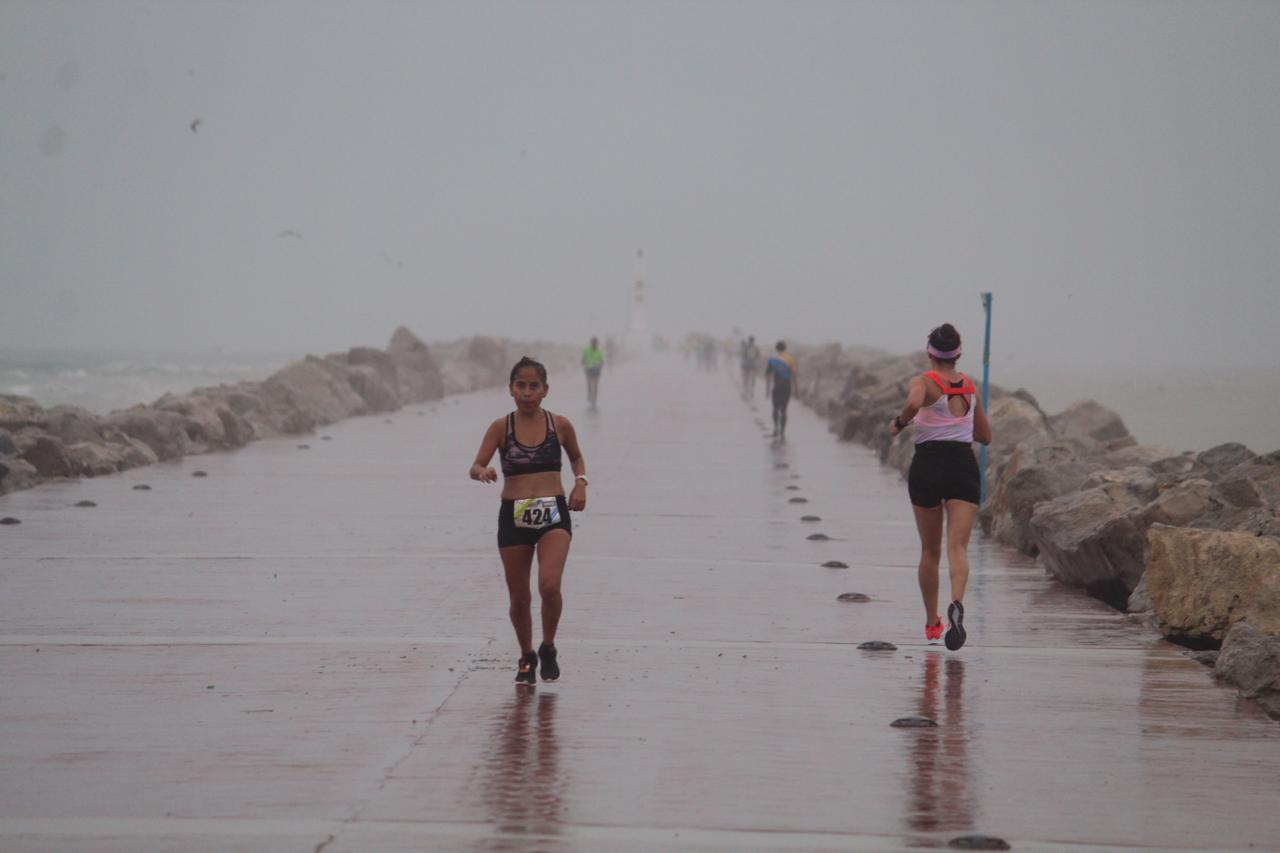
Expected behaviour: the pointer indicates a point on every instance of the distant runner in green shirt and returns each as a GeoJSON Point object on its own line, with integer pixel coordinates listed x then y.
{"type": "Point", "coordinates": [592, 362]}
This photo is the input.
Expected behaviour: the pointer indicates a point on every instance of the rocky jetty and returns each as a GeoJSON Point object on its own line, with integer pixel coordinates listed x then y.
{"type": "Point", "coordinates": [39, 444]}
{"type": "Point", "coordinates": [1189, 542]}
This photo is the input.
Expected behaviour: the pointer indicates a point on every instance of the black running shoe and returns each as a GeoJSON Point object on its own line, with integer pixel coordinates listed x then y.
{"type": "Point", "coordinates": [955, 634]}
{"type": "Point", "coordinates": [550, 669]}
{"type": "Point", "coordinates": [528, 671]}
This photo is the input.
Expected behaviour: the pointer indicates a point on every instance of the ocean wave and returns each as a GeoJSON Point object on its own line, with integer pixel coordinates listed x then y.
{"type": "Point", "coordinates": [106, 381]}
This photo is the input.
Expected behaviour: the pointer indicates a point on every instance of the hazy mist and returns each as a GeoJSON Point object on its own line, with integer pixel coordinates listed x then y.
{"type": "Point", "coordinates": [306, 176]}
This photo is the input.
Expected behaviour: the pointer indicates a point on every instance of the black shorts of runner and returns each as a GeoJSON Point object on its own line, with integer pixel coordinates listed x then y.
{"type": "Point", "coordinates": [781, 393]}
{"type": "Point", "coordinates": [510, 535]}
{"type": "Point", "coordinates": [943, 471]}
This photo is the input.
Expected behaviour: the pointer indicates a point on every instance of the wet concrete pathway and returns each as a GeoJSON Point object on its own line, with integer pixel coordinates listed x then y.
{"type": "Point", "coordinates": [308, 650]}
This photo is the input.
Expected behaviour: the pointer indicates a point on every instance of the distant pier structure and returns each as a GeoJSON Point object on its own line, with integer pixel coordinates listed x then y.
{"type": "Point", "coordinates": [637, 338]}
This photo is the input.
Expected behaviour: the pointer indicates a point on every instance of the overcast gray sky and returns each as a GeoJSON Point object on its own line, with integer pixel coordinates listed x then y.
{"type": "Point", "coordinates": [824, 171]}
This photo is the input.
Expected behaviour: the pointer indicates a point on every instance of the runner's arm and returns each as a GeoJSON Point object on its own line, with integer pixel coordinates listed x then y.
{"type": "Point", "coordinates": [569, 440]}
{"type": "Point", "coordinates": [480, 469]}
{"type": "Point", "coordinates": [915, 399]}
{"type": "Point", "coordinates": [981, 425]}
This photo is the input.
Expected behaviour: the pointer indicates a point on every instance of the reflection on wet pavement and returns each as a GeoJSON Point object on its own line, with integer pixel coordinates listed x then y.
{"type": "Point", "coordinates": [523, 779]}
{"type": "Point", "coordinates": [940, 789]}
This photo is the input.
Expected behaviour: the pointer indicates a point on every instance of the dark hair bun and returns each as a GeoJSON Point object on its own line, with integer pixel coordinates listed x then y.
{"type": "Point", "coordinates": [945, 338]}
{"type": "Point", "coordinates": [524, 362]}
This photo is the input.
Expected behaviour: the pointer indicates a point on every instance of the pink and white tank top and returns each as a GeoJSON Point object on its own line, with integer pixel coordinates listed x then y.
{"type": "Point", "coordinates": [935, 422]}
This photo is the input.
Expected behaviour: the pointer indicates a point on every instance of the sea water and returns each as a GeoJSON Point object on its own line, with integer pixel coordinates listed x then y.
{"type": "Point", "coordinates": [1186, 408]}
{"type": "Point", "coordinates": [105, 380]}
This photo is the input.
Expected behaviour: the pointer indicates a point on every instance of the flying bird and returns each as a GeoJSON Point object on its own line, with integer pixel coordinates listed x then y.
{"type": "Point", "coordinates": [195, 125]}
{"type": "Point", "coordinates": [289, 232]}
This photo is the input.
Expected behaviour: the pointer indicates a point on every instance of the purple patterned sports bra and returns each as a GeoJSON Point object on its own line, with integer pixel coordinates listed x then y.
{"type": "Point", "coordinates": [520, 459]}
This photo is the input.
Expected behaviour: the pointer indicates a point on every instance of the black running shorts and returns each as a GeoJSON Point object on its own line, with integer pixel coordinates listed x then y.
{"type": "Point", "coordinates": [509, 534]}
{"type": "Point", "coordinates": [943, 471]}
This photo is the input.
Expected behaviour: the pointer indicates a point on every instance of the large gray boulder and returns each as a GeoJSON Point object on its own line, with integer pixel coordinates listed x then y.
{"type": "Point", "coordinates": [490, 356]}
{"type": "Point", "coordinates": [898, 370]}
{"type": "Point", "coordinates": [1094, 539]}
{"type": "Point", "coordinates": [312, 391]}
{"type": "Point", "coordinates": [1038, 470]}
{"type": "Point", "coordinates": [1251, 494]}
{"type": "Point", "coordinates": [164, 432]}
{"type": "Point", "coordinates": [417, 372]}
{"type": "Point", "coordinates": [49, 457]}
{"type": "Point", "coordinates": [373, 375]}
{"type": "Point", "coordinates": [824, 378]}
{"type": "Point", "coordinates": [18, 412]}
{"type": "Point", "coordinates": [1250, 659]}
{"type": "Point", "coordinates": [247, 412]}
{"type": "Point", "coordinates": [371, 384]}
{"type": "Point", "coordinates": [207, 421]}
{"type": "Point", "coordinates": [1087, 419]}
{"type": "Point", "coordinates": [1124, 453]}
{"type": "Point", "coordinates": [1201, 582]}
{"type": "Point", "coordinates": [461, 377]}
{"type": "Point", "coordinates": [1183, 503]}
{"type": "Point", "coordinates": [71, 424]}
{"type": "Point", "coordinates": [1253, 483]}
{"type": "Point", "coordinates": [1014, 420]}
{"type": "Point", "coordinates": [17, 474]}
{"type": "Point", "coordinates": [1177, 467]}
{"type": "Point", "coordinates": [91, 459]}
{"type": "Point", "coordinates": [1226, 456]}
{"type": "Point", "coordinates": [1136, 479]}
{"type": "Point", "coordinates": [130, 452]}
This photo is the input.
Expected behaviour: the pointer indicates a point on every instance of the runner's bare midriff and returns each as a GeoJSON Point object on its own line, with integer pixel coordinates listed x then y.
{"type": "Point", "coordinates": [544, 484]}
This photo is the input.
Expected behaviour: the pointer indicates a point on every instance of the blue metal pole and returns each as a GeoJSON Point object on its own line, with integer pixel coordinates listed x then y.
{"type": "Point", "coordinates": [986, 373]}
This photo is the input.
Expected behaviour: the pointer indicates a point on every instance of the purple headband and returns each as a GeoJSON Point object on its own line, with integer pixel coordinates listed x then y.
{"type": "Point", "coordinates": [943, 355]}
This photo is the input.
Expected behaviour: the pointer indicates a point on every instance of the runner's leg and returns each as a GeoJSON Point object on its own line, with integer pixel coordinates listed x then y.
{"type": "Point", "coordinates": [553, 551]}
{"type": "Point", "coordinates": [929, 526]}
{"type": "Point", "coordinates": [516, 563]}
{"type": "Point", "coordinates": [960, 518]}
{"type": "Point", "coordinates": [782, 411]}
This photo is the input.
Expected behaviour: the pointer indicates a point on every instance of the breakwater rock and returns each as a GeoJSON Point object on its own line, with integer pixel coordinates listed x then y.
{"type": "Point", "coordinates": [38, 444]}
{"type": "Point", "coordinates": [1250, 660]}
{"type": "Point", "coordinates": [1202, 582]}
{"type": "Point", "coordinates": [1191, 541]}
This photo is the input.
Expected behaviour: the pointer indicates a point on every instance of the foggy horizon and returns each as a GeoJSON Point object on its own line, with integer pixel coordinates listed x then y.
{"type": "Point", "coordinates": [293, 178]}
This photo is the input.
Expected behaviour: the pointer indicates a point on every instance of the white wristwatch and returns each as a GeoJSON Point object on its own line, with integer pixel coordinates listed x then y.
{"type": "Point", "coordinates": [583, 478]}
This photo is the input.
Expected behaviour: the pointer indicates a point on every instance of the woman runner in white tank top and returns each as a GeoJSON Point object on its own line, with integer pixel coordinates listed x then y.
{"type": "Point", "coordinates": [943, 479]}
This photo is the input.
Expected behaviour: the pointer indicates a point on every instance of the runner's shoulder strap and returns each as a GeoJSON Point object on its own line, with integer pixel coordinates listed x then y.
{"type": "Point", "coordinates": [951, 388]}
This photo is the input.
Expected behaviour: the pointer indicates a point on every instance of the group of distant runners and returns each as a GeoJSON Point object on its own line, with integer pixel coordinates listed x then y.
{"type": "Point", "coordinates": [942, 404]}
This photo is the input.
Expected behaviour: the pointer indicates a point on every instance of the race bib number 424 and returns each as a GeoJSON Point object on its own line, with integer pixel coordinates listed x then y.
{"type": "Point", "coordinates": [537, 513]}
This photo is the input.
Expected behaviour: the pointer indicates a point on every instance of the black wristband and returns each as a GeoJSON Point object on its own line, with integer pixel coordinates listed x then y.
{"type": "Point", "coordinates": [898, 423]}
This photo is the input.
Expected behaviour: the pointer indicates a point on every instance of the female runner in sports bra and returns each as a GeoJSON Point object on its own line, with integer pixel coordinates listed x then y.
{"type": "Point", "coordinates": [949, 417]}
{"type": "Point", "coordinates": [534, 514]}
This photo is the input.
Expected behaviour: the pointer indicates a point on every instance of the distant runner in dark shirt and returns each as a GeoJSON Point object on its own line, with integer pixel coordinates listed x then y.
{"type": "Point", "coordinates": [779, 378]}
